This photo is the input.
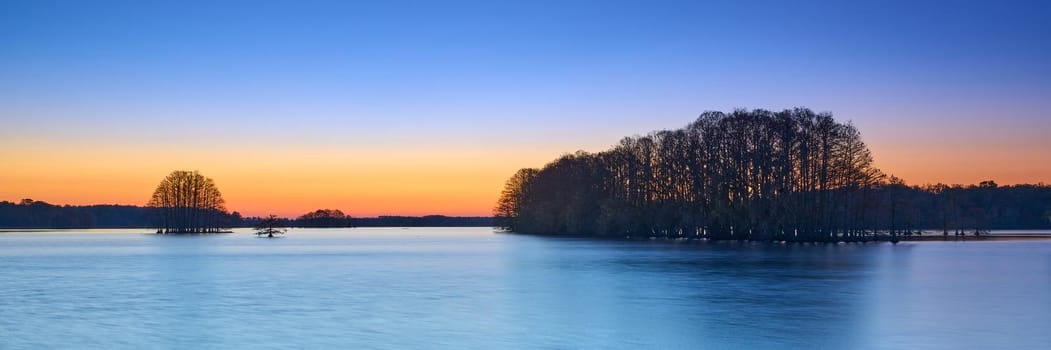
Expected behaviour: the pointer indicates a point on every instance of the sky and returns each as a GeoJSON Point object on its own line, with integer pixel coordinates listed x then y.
{"type": "Point", "coordinates": [427, 107]}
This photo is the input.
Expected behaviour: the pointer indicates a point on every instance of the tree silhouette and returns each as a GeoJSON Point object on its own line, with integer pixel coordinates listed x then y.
{"type": "Point", "coordinates": [323, 218]}
{"type": "Point", "coordinates": [793, 175]}
{"type": "Point", "coordinates": [188, 202]}
{"type": "Point", "coordinates": [507, 207]}
{"type": "Point", "coordinates": [270, 226]}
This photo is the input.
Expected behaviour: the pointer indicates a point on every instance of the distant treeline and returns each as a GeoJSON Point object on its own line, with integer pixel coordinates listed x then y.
{"type": "Point", "coordinates": [423, 221]}
{"type": "Point", "coordinates": [793, 175]}
{"type": "Point", "coordinates": [42, 215]}
{"type": "Point", "coordinates": [30, 214]}
{"type": "Point", "coordinates": [336, 218]}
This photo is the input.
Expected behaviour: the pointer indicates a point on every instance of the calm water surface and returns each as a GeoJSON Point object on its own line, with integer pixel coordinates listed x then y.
{"type": "Point", "coordinates": [468, 288]}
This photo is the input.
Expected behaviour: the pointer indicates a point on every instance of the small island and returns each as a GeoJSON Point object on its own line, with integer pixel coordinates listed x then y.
{"type": "Point", "coordinates": [186, 202]}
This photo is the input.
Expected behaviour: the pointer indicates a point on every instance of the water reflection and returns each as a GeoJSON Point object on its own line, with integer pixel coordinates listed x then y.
{"type": "Point", "coordinates": [470, 288]}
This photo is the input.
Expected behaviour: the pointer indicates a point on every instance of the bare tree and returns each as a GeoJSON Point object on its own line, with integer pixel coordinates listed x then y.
{"type": "Point", "coordinates": [270, 226]}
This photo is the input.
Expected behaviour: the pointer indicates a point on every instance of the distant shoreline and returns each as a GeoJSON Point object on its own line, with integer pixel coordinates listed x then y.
{"type": "Point", "coordinates": [30, 214]}
{"type": "Point", "coordinates": [1009, 235]}
{"type": "Point", "coordinates": [984, 237]}
{"type": "Point", "coordinates": [150, 230]}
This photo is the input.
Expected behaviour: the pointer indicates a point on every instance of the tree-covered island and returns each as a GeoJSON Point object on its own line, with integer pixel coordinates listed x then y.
{"type": "Point", "coordinates": [188, 202]}
{"type": "Point", "coordinates": [793, 175]}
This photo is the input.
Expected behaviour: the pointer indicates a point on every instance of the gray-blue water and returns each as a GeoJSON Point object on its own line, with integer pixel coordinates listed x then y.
{"type": "Point", "coordinates": [468, 288]}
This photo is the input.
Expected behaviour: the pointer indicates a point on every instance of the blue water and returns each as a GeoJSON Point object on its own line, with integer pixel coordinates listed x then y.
{"type": "Point", "coordinates": [468, 288]}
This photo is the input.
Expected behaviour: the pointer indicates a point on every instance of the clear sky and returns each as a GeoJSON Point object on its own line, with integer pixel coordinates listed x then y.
{"type": "Point", "coordinates": [420, 107]}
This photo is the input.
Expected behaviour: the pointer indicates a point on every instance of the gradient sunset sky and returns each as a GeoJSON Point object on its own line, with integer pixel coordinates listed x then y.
{"type": "Point", "coordinates": [427, 107]}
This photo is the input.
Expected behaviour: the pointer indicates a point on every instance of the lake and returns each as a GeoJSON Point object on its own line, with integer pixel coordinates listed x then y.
{"type": "Point", "coordinates": [471, 288]}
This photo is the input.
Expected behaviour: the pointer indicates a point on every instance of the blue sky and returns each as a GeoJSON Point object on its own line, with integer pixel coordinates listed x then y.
{"type": "Point", "coordinates": [527, 79]}
{"type": "Point", "coordinates": [336, 62]}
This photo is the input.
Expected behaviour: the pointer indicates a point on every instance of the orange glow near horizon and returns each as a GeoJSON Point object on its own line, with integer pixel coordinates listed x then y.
{"type": "Point", "coordinates": [407, 180]}
{"type": "Point", "coordinates": [965, 158]}
{"type": "Point", "coordinates": [455, 182]}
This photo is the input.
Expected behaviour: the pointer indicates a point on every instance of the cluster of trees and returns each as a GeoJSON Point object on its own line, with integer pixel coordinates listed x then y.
{"type": "Point", "coordinates": [188, 202]}
{"type": "Point", "coordinates": [323, 218]}
{"type": "Point", "coordinates": [793, 175]}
